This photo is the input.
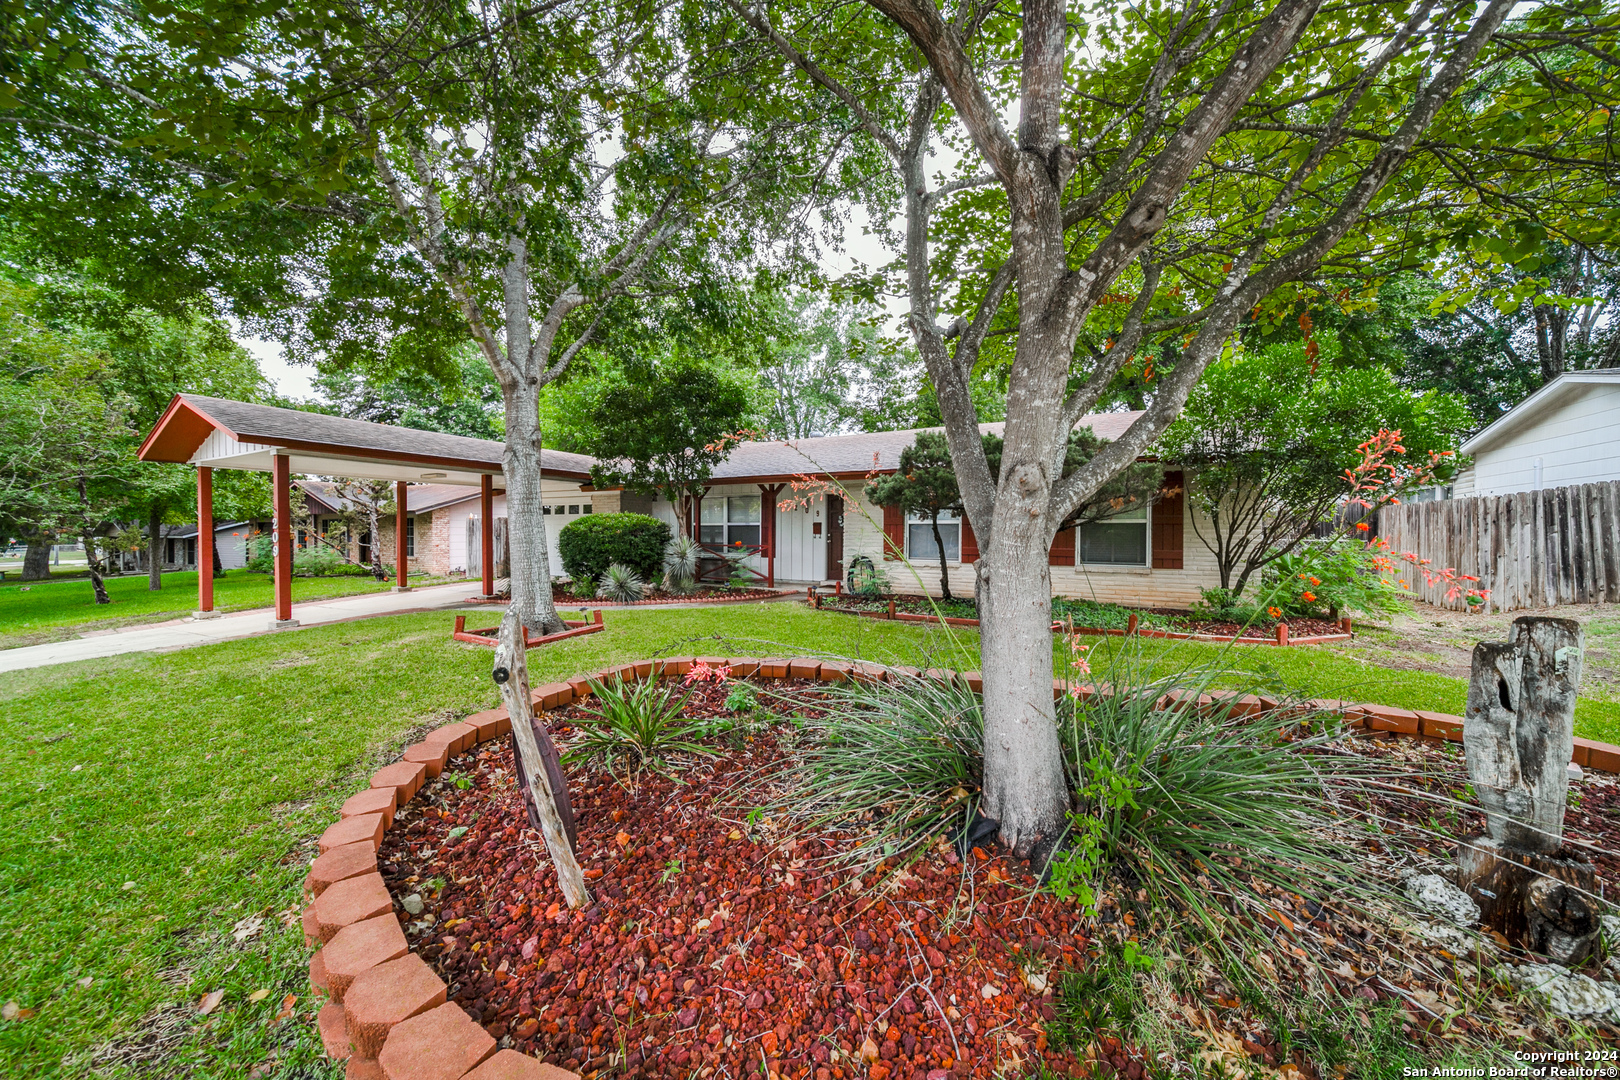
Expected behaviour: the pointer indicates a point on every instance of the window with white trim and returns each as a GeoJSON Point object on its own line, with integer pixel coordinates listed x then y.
{"type": "Point", "coordinates": [1120, 540]}
{"type": "Point", "coordinates": [410, 538]}
{"type": "Point", "coordinates": [729, 520]}
{"type": "Point", "coordinates": [920, 537]}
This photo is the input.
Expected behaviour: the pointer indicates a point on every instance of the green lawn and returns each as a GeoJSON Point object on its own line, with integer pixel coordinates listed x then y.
{"type": "Point", "coordinates": [157, 801]}
{"type": "Point", "coordinates": [37, 611]}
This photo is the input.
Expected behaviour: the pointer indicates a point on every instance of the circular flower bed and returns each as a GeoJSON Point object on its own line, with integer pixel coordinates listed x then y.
{"type": "Point", "coordinates": [721, 941]}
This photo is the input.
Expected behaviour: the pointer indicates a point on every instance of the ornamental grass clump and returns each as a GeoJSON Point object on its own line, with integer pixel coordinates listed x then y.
{"type": "Point", "coordinates": [1196, 803]}
{"type": "Point", "coordinates": [635, 723]}
{"type": "Point", "coordinates": [1205, 809]}
{"type": "Point", "coordinates": [681, 566]}
{"type": "Point", "coordinates": [621, 584]}
{"type": "Point", "coordinates": [904, 756]}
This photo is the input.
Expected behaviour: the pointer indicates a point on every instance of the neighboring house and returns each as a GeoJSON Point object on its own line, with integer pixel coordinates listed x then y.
{"type": "Point", "coordinates": [1566, 433]}
{"type": "Point", "coordinates": [442, 524]}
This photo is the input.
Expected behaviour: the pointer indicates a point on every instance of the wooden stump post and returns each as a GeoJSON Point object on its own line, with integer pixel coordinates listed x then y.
{"type": "Point", "coordinates": [1518, 732]}
{"type": "Point", "coordinates": [512, 676]}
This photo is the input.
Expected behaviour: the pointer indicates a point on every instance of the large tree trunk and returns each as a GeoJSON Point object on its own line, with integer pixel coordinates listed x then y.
{"type": "Point", "coordinates": [37, 560]}
{"type": "Point", "coordinates": [1024, 787]}
{"type": "Point", "coordinates": [154, 549]}
{"type": "Point", "coordinates": [525, 523]}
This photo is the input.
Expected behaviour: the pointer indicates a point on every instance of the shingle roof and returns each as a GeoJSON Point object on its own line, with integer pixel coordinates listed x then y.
{"type": "Point", "coordinates": [861, 452]}
{"type": "Point", "coordinates": [273, 426]}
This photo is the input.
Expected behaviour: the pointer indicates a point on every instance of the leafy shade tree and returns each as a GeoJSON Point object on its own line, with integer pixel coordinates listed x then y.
{"type": "Point", "coordinates": [466, 401]}
{"type": "Point", "coordinates": [64, 430]}
{"type": "Point", "coordinates": [444, 163]}
{"type": "Point", "coordinates": [1267, 438]}
{"type": "Point", "coordinates": [818, 363]}
{"type": "Point", "coordinates": [1173, 168]}
{"type": "Point", "coordinates": [151, 356]}
{"type": "Point", "coordinates": [660, 428]}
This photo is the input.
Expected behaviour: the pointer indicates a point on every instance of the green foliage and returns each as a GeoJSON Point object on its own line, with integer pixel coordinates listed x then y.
{"type": "Point", "coordinates": [1223, 605]}
{"type": "Point", "coordinates": [742, 697]}
{"type": "Point", "coordinates": [590, 544]}
{"type": "Point", "coordinates": [636, 722]}
{"type": "Point", "coordinates": [1335, 576]}
{"type": "Point", "coordinates": [867, 578]}
{"type": "Point", "coordinates": [657, 425]}
{"type": "Point", "coordinates": [904, 756]}
{"type": "Point", "coordinates": [261, 554]}
{"type": "Point", "coordinates": [318, 560]}
{"type": "Point", "coordinates": [621, 584]}
{"type": "Point", "coordinates": [1096, 615]}
{"type": "Point", "coordinates": [464, 399]}
{"type": "Point", "coordinates": [1268, 434]}
{"type": "Point", "coordinates": [1105, 998]}
{"type": "Point", "coordinates": [1167, 796]}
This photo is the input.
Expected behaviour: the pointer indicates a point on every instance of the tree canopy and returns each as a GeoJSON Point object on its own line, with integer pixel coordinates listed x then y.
{"type": "Point", "coordinates": [661, 427]}
{"type": "Point", "coordinates": [1267, 436]}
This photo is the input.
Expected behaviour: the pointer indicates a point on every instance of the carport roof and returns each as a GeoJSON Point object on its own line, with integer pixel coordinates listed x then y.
{"type": "Point", "coordinates": [221, 433]}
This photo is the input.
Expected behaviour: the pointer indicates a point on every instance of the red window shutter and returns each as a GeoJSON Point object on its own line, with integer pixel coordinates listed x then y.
{"type": "Point", "coordinates": [1167, 523]}
{"type": "Point", "coordinates": [894, 532]}
{"type": "Point", "coordinates": [1062, 553]}
{"type": "Point", "coordinates": [970, 543]}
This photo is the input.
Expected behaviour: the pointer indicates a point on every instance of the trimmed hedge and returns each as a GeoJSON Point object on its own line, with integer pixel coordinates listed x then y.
{"type": "Point", "coordinates": [591, 544]}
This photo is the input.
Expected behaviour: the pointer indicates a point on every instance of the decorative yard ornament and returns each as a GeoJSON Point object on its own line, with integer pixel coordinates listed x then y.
{"type": "Point", "coordinates": [546, 788]}
{"type": "Point", "coordinates": [1518, 733]}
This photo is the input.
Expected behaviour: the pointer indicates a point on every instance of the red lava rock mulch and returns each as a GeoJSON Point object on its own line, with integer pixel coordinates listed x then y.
{"type": "Point", "coordinates": [715, 942]}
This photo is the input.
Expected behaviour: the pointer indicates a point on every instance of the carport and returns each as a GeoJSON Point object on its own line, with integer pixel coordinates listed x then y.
{"type": "Point", "coordinates": [218, 433]}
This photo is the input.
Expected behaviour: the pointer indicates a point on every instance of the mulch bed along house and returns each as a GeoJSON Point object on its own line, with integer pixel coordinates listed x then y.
{"type": "Point", "coordinates": [722, 942]}
{"type": "Point", "coordinates": [1149, 622]}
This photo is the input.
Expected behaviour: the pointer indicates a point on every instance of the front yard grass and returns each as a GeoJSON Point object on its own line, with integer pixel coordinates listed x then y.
{"type": "Point", "coordinates": [161, 803]}
{"type": "Point", "coordinates": [34, 612]}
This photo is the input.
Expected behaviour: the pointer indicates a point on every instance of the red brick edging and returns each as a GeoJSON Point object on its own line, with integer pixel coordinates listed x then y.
{"type": "Point", "coordinates": [388, 1013]}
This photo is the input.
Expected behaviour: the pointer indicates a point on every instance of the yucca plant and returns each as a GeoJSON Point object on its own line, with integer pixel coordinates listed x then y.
{"type": "Point", "coordinates": [621, 584]}
{"type": "Point", "coordinates": [681, 565]}
{"type": "Point", "coordinates": [635, 722]}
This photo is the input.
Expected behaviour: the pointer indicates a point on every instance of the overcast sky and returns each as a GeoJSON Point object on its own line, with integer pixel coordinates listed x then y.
{"type": "Point", "coordinates": [292, 380]}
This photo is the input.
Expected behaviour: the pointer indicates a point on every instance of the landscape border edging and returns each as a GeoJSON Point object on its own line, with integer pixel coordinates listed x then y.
{"type": "Point", "coordinates": [358, 902]}
{"type": "Point", "coordinates": [1282, 641]}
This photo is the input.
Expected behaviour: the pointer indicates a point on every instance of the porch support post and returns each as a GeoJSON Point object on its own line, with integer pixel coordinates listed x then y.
{"type": "Point", "coordinates": [281, 492]}
{"type": "Point", "coordinates": [205, 543]}
{"type": "Point", "coordinates": [399, 537]}
{"type": "Point", "coordinates": [486, 533]}
{"type": "Point", "coordinates": [768, 515]}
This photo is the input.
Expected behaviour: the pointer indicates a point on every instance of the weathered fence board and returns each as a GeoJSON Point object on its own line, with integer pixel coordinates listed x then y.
{"type": "Point", "coordinates": [1530, 548]}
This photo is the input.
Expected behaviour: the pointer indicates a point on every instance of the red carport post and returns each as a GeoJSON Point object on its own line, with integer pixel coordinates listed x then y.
{"type": "Point", "coordinates": [486, 533]}
{"type": "Point", "coordinates": [205, 543]}
{"type": "Point", "coordinates": [399, 536]}
{"type": "Point", "coordinates": [281, 493]}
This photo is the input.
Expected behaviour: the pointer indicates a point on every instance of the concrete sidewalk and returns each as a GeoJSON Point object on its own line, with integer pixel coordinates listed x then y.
{"type": "Point", "coordinates": [186, 632]}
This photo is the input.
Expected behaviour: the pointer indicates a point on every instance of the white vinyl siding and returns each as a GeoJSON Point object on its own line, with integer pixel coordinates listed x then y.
{"type": "Point", "coordinates": [1578, 442]}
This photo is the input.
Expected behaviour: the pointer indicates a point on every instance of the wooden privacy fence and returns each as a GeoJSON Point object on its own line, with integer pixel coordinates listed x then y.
{"type": "Point", "coordinates": [1530, 549]}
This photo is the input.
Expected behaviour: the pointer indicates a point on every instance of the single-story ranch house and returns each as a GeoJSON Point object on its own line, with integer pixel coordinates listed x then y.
{"type": "Point", "coordinates": [452, 484]}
